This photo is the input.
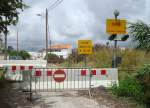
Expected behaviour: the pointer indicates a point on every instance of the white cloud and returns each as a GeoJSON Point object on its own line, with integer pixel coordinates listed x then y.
{"type": "Point", "coordinates": [73, 20]}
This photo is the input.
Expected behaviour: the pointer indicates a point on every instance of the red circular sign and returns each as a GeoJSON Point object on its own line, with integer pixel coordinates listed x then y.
{"type": "Point", "coordinates": [59, 76]}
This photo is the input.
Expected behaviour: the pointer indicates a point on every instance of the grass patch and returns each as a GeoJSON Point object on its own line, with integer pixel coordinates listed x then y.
{"type": "Point", "coordinates": [135, 86]}
{"type": "Point", "coordinates": [3, 82]}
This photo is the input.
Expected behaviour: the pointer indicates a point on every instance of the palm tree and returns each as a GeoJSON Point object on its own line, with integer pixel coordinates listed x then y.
{"type": "Point", "coordinates": [141, 34]}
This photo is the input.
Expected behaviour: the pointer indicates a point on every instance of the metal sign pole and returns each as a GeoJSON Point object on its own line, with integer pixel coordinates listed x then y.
{"type": "Point", "coordinates": [30, 85]}
{"type": "Point", "coordinates": [116, 14]}
{"type": "Point", "coordinates": [85, 60]}
{"type": "Point", "coordinates": [90, 83]}
{"type": "Point", "coordinates": [115, 54]}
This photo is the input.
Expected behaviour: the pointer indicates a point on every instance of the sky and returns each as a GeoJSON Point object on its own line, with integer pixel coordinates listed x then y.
{"type": "Point", "coordinates": [73, 20]}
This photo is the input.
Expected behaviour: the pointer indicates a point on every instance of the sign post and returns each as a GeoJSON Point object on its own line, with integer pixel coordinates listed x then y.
{"type": "Point", "coordinates": [114, 27]}
{"type": "Point", "coordinates": [85, 48]}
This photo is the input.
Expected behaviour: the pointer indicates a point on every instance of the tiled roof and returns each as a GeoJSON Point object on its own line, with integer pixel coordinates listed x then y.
{"type": "Point", "coordinates": [60, 46]}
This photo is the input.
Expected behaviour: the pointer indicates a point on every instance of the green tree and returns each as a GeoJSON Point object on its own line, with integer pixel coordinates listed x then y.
{"type": "Point", "coordinates": [9, 11]}
{"type": "Point", "coordinates": [141, 34]}
{"type": "Point", "coordinates": [24, 54]}
{"type": "Point", "coordinates": [12, 53]}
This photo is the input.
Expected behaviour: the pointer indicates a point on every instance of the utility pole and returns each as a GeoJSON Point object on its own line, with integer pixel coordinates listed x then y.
{"type": "Point", "coordinates": [17, 44]}
{"type": "Point", "coordinates": [5, 33]}
{"type": "Point", "coordinates": [5, 45]}
{"type": "Point", "coordinates": [116, 14]}
{"type": "Point", "coordinates": [46, 34]}
{"type": "Point", "coordinates": [51, 7]}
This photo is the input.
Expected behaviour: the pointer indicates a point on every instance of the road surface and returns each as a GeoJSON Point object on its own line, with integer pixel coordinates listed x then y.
{"type": "Point", "coordinates": [65, 100]}
{"type": "Point", "coordinates": [12, 97]}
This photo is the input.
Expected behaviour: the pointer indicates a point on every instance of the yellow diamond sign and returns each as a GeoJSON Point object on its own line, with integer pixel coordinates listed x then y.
{"type": "Point", "coordinates": [114, 26]}
{"type": "Point", "coordinates": [85, 47]}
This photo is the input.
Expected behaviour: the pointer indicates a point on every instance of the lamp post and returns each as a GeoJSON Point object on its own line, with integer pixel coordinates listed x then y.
{"type": "Point", "coordinates": [115, 39]}
{"type": "Point", "coordinates": [116, 14]}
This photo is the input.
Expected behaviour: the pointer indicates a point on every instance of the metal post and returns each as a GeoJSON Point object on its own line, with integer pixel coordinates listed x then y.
{"type": "Point", "coordinates": [30, 72]}
{"type": "Point", "coordinates": [90, 78]}
{"type": "Point", "coordinates": [115, 54]}
{"type": "Point", "coordinates": [46, 23]}
{"type": "Point", "coordinates": [85, 60]}
{"type": "Point", "coordinates": [116, 14]}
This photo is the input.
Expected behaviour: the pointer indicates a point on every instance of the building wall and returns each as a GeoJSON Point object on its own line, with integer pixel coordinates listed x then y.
{"type": "Point", "coordinates": [35, 55]}
{"type": "Point", "coordinates": [2, 56]}
{"type": "Point", "coordinates": [63, 52]}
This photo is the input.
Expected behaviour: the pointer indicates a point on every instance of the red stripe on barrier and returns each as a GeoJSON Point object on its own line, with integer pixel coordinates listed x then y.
{"type": "Point", "coordinates": [93, 72]}
{"type": "Point", "coordinates": [37, 73]}
{"type": "Point", "coordinates": [13, 68]}
{"type": "Point", "coordinates": [103, 72]}
{"type": "Point", "coordinates": [22, 68]}
{"type": "Point", "coordinates": [49, 73]}
{"type": "Point", "coordinates": [30, 67]}
{"type": "Point", "coordinates": [83, 72]}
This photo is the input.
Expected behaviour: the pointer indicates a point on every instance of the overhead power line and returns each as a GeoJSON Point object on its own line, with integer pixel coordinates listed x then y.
{"type": "Point", "coordinates": [54, 4]}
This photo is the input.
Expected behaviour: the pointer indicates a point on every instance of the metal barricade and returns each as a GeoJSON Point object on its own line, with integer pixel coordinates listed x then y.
{"type": "Point", "coordinates": [39, 79]}
{"type": "Point", "coordinates": [58, 79]}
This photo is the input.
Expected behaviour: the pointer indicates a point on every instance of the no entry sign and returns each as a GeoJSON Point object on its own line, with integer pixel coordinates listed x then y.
{"type": "Point", "coordinates": [59, 76]}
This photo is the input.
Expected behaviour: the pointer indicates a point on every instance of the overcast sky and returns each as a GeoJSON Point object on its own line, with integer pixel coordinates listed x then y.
{"type": "Point", "coordinates": [73, 20]}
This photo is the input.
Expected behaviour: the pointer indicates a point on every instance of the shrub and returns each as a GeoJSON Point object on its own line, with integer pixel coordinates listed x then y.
{"type": "Point", "coordinates": [137, 87]}
{"type": "Point", "coordinates": [53, 58]}
{"type": "Point", "coordinates": [129, 87]}
{"type": "Point", "coordinates": [143, 78]}
{"type": "Point", "coordinates": [2, 78]}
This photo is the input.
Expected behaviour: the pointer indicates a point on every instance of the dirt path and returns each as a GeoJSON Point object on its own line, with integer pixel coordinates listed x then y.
{"type": "Point", "coordinates": [11, 97]}
{"type": "Point", "coordinates": [66, 100]}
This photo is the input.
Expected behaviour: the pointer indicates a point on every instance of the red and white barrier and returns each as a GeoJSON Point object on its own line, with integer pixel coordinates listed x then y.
{"type": "Point", "coordinates": [64, 78]}
{"type": "Point", "coordinates": [14, 72]}
{"type": "Point", "coordinates": [75, 78]}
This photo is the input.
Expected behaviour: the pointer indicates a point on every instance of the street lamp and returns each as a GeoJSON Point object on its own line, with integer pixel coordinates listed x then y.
{"type": "Point", "coordinates": [116, 13]}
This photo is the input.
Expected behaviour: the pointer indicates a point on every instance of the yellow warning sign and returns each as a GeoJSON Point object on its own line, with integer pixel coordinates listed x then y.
{"type": "Point", "coordinates": [85, 47]}
{"type": "Point", "coordinates": [114, 26]}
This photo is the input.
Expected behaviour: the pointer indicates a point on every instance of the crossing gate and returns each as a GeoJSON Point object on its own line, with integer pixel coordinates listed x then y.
{"type": "Point", "coordinates": [57, 79]}
{"type": "Point", "coordinates": [37, 79]}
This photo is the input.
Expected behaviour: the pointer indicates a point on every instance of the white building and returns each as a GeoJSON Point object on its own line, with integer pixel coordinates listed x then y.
{"type": "Point", "coordinates": [61, 50]}
{"type": "Point", "coordinates": [35, 55]}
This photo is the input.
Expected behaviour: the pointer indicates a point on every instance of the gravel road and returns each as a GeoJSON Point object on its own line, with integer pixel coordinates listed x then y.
{"type": "Point", "coordinates": [65, 100]}
{"type": "Point", "coordinates": [11, 97]}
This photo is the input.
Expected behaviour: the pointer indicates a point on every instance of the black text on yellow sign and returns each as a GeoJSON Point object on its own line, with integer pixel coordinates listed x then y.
{"type": "Point", "coordinates": [85, 47]}
{"type": "Point", "coordinates": [114, 26]}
